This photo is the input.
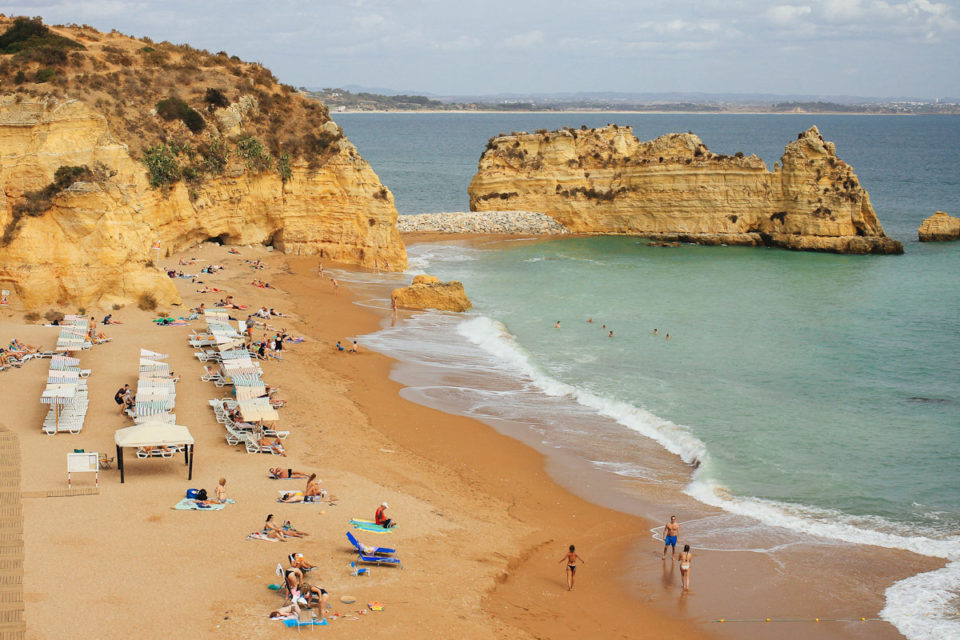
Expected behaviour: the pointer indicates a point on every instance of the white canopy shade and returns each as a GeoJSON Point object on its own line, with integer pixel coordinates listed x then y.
{"type": "Point", "coordinates": [59, 394]}
{"type": "Point", "coordinates": [248, 393]}
{"type": "Point", "coordinates": [146, 353]}
{"type": "Point", "coordinates": [152, 434]}
{"type": "Point", "coordinates": [257, 409]}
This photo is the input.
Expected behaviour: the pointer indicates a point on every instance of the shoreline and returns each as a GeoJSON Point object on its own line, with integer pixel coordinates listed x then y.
{"type": "Point", "coordinates": [481, 526]}
{"type": "Point", "coordinates": [333, 114]}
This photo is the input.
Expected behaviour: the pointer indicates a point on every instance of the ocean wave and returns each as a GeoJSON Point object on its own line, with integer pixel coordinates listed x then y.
{"type": "Point", "coordinates": [494, 338]}
{"type": "Point", "coordinates": [923, 607]}
{"type": "Point", "coordinates": [420, 257]}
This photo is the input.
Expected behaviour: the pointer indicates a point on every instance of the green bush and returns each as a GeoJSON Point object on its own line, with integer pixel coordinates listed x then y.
{"type": "Point", "coordinates": [283, 167]}
{"type": "Point", "coordinates": [20, 78]}
{"type": "Point", "coordinates": [215, 156]}
{"type": "Point", "coordinates": [147, 302]}
{"type": "Point", "coordinates": [30, 33]}
{"type": "Point", "coordinates": [254, 155]}
{"type": "Point", "coordinates": [173, 108]}
{"type": "Point", "coordinates": [162, 166]}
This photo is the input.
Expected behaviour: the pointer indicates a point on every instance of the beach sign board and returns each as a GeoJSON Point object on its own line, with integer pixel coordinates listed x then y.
{"type": "Point", "coordinates": [83, 462]}
{"type": "Point", "coordinates": [4, 297]}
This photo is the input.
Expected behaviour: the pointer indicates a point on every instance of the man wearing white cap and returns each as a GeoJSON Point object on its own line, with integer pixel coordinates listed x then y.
{"type": "Point", "coordinates": [382, 519]}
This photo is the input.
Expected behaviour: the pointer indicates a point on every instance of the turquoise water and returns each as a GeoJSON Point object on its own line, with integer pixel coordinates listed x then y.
{"type": "Point", "coordinates": [818, 393]}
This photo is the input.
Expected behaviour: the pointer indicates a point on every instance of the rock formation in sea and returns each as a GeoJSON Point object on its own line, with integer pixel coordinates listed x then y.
{"type": "Point", "coordinates": [427, 292]}
{"type": "Point", "coordinates": [605, 181]}
{"type": "Point", "coordinates": [940, 226]}
{"type": "Point", "coordinates": [111, 144]}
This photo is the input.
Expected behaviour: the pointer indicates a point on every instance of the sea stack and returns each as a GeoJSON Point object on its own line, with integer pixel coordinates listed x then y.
{"type": "Point", "coordinates": [606, 181]}
{"type": "Point", "coordinates": [427, 292]}
{"type": "Point", "coordinates": [939, 227]}
{"type": "Point", "coordinates": [126, 145]}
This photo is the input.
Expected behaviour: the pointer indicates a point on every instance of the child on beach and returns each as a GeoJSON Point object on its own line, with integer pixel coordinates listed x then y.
{"type": "Point", "coordinates": [221, 491]}
{"type": "Point", "coordinates": [571, 557]}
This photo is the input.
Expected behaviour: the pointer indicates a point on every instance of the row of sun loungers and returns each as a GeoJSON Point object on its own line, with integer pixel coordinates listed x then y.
{"type": "Point", "coordinates": [66, 393]}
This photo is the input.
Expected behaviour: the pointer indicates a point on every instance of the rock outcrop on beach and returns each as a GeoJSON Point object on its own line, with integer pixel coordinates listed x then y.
{"type": "Point", "coordinates": [93, 173]}
{"type": "Point", "coordinates": [427, 292]}
{"type": "Point", "coordinates": [939, 227]}
{"type": "Point", "coordinates": [605, 181]}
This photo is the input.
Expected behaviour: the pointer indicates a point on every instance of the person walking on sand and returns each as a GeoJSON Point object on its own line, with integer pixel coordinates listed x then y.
{"type": "Point", "coordinates": [684, 560]}
{"type": "Point", "coordinates": [670, 532]}
{"type": "Point", "coordinates": [571, 571]}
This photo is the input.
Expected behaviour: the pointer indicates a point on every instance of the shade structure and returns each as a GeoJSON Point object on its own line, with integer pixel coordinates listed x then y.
{"type": "Point", "coordinates": [59, 393]}
{"type": "Point", "coordinates": [248, 393]}
{"type": "Point", "coordinates": [153, 365]}
{"type": "Point", "coordinates": [56, 376]}
{"type": "Point", "coordinates": [240, 368]}
{"type": "Point", "coordinates": [152, 355]}
{"type": "Point", "coordinates": [231, 345]}
{"type": "Point", "coordinates": [257, 409]}
{"type": "Point", "coordinates": [154, 434]}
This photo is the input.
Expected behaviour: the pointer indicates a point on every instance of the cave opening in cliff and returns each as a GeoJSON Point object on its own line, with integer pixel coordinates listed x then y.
{"type": "Point", "coordinates": [221, 240]}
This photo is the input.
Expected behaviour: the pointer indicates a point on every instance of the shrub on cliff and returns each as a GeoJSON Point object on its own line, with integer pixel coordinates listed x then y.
{"type": "Point", "coordinates": [215, 99]}
{"type": "Point", "coordinates": [31, 35]}
{"type": "Point", "coordinates": [162, 166]}
{"type": "Point", "coordinates": [173, 108]}
{"type": "Point", "coordinates": [254, 155]}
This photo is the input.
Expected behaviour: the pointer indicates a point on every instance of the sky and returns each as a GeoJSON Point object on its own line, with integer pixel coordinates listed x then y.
{"type": "Point", "coordinates": [876, 48]}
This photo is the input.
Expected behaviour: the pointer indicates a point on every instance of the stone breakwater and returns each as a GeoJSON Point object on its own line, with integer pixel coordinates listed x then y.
{"type": "Point", "coordinates": [505, 222]}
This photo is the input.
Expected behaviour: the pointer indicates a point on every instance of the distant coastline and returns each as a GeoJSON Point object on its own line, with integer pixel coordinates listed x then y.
{"type": "Point", "coordinates": [334, 114]}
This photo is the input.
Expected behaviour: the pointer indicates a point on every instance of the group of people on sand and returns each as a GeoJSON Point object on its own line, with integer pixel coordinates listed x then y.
{"type": "Point", "coordinates": [671, 531]}
{"type": "Point", "coordinates": [354, 348]}
{"type": "Point", "coordinates": [300, 593]}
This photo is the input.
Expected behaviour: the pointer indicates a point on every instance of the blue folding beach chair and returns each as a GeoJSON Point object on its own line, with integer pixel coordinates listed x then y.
{"type": "Point", "coordinates": [385, 558]}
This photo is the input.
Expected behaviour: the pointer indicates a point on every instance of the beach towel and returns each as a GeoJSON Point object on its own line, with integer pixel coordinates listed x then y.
{"type": "Point", "coordinates": [192, 505]}
{"type": "Point", "coordinates": [293, 622]}
{"type": "Point", "coordinates": [368, 525]}
{"type": "Point", "coordinates": [260, 535]}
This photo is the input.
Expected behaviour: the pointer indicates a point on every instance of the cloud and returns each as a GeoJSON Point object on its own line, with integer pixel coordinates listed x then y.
{"type": "Point", "coordinates": [787, 14]}
{"type": "Point", "coordinates": [462, 43]}
{"type": "Point", "coordinates": [524, 40]}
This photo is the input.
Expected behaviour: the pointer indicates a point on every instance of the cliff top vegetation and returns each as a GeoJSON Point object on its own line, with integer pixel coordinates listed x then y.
{"type": "Point", "coordinates": [185, 112]}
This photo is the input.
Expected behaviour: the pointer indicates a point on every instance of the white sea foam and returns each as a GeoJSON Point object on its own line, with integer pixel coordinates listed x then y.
{"type": "Point", "coordinates": [924, 605]}
{"type": "Point", "coordinates": [421, 256]}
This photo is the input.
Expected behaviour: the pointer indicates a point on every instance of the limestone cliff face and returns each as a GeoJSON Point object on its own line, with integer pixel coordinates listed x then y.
{"type": "Point", "coordinates": [607, 181]}
{"type": "Point", "coordinates": [93, 245]}
{"type": "Point", "coordinates": [939, 227]}
{"type": "Point", "coordinates": [427, 292]}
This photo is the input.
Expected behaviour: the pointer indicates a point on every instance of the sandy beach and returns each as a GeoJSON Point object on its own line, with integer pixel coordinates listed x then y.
{"type": "Point", "coordinates": [482, 524]}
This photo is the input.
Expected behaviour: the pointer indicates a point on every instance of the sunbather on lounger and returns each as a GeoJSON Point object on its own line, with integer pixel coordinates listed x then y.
{"type": "Point", "coordinates": [276, 473]}
{"type": "Point", "coordinates": [16, 345]}
{"type": "Point", "coordinates": [274, 445]}
{"type": "Point", "coordinates": [296, 559]}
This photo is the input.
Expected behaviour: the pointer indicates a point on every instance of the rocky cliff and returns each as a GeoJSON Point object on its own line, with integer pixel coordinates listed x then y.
{"type": "Point", "coordinates": [673, 188]}
{"type": "Point", "coordinates": [84, 197]}
{"type": "Point", "coordinates": [939, 227]}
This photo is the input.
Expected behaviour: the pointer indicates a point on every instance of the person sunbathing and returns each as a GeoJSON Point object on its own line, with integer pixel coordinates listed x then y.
{"type": "Point", "coordinates": [274, 445]}
{"type": "Point", "coordinates": [291, 531]}
{"type": "Point", "coordinates": [272, 530]}
{"type": "Point", "coordinates": [289, 612]}
{"type": "Point", "coordinates": [288, 497]}
{"type": "Point", "coordinates": [20, 347]}
{"type": "Point", "coordinates": [233, 251]}
{"type": "Point", "coordinates": [276, 473]}
{"type": "Point", "coordinates": [313, 487]}
{"type": "Point", "coordinates": [296, 559]}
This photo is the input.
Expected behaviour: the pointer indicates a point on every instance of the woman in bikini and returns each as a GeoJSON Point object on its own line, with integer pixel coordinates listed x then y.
{"type": "Point", "coordinates": [571, 557]}
{"type": "Point", "coordinates": [312, 492]}
{"type": "Point", "coordinates": [276, 473]}
{"type": "Point", "coordinates": [684, 560]}
{"type": "Point", "coordinates": [272, 530]}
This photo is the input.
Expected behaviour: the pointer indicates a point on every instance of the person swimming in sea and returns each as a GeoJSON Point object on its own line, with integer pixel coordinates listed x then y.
{"type": "Point", "coordinates": [611, 334]}
{"type": "Point", "coordinates": [557, 326]}
{"type": "Point", "coordinates": [571, 571]}
{"type": "Point", "coordinates": [655, 332]}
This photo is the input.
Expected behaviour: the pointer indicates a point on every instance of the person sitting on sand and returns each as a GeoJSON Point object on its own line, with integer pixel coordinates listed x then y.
{"type": "Point", "coordinates": [272, 530]}
{"type": "Point", "coordinates": [276, 473]}
{"type": "Point", "coordinates": [339, 346]}
{"type": "Point", "coordinates": [220, 496]}
{"type": "Point", "coordinates": [108, 319]}
{"type": "Point", "coordinates": [354, 348]}
{"type": "Point", "coordinates": [381, 518]}
{"type": "Point", "coordinates": [313, 492]}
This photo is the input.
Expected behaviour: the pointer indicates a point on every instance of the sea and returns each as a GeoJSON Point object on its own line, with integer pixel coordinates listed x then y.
{"type": "Point", "coordinates": [811, 395]}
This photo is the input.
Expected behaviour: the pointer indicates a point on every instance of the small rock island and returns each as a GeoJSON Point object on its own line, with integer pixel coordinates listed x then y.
{"type": "Point", "coordinates": [674, 189]}
{"type": "Point", "coordinates": [939, 227]}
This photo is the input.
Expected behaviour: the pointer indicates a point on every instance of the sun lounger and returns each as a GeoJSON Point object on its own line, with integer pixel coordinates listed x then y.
{"type": "Point", "coordinates": [375, 559]}
{"type": "Point", "coordinates": [371, 551]}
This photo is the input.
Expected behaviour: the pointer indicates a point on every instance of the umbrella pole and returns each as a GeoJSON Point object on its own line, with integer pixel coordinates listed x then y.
{"type": "Point", "coordinates": [190, 448]}
{"type": "Point", "coordinates": [120, 461]}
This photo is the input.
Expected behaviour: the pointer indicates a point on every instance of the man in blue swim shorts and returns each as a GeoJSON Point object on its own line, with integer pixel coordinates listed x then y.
{"type": "Point", "coordinates": [670, 532]}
